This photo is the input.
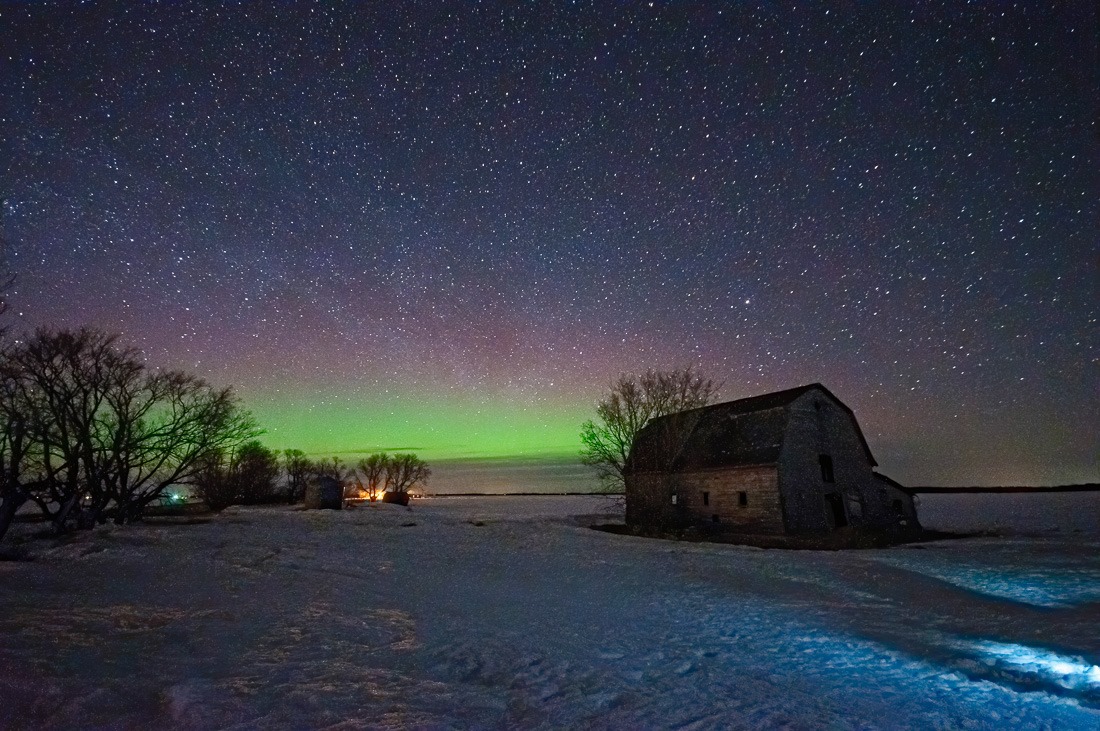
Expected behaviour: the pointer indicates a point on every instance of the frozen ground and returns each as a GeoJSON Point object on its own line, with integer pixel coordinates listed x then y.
{"type": "Point", "coordinates": [500, 612]}
{"type": "Point", "coordinates": [1012, 513]}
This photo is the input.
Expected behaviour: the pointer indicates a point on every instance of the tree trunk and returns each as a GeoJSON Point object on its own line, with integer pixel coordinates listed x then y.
{"type": "Point", "coordinates": [8, 508]}
{"type": "Point", "coordinates": [63, 514]}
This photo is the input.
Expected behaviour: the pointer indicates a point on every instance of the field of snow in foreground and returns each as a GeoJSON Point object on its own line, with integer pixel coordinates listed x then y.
{"type": "Point", "coordinates": [506, 612]}
{"type": "Point", "coordinates": [1012, 513]}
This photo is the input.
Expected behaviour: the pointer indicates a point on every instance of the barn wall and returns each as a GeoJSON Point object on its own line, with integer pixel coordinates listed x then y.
{"type": "Point", "coordinates": [762, 512]}
{"type": "Point", "coordinates": [819, 426]}
{"type": "Point", "coordinates": [908, 505]}
{"type": "Point", "coordinates": [649, 499]}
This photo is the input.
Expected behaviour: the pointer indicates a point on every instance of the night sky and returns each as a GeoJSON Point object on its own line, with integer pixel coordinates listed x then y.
{"type": "Point", "coordinates": [448, 226]}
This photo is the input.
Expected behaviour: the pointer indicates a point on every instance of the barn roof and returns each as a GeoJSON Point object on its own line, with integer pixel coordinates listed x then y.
{"type": "Point", "coordinates": [894, 483]}
{"type": "Point", "coordinates": [747, 431]}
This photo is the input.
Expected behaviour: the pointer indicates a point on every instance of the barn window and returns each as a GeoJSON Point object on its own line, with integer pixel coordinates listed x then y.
{"type": "Point", "coordinates": [826, 463]}
{"type": "Point", "coordinates": [742, 498]}
{"type": "Point", "coordinates": [706, 498]}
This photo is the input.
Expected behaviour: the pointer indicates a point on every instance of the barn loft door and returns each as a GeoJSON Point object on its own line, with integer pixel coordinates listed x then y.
{"type": "Point", "coordinates": [834, 508]}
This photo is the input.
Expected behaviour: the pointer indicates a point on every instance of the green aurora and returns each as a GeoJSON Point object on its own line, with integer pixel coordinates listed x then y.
{"type": "Point", "coordinates": [434, 427]}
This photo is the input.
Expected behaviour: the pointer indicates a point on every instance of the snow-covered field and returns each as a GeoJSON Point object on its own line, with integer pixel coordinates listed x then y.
{"type": "Point", "coordinates": [506, 612]}
{"type": "Point", "coordinates": [1012, 513]}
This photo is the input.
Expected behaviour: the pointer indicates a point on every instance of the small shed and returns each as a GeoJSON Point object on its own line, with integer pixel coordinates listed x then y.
{"type": "Point", "coordinates": [324, 493]}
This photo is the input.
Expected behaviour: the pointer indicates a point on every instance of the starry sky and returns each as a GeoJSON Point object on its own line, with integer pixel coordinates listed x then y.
{"type": "Point", "coordinates": [447, 226]}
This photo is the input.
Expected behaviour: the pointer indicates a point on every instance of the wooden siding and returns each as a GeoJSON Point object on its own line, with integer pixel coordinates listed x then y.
{"type": "Point", "coordinates": [648, 500]}
{"type": "Point", "coordinates": [762, 511]}
{"type": "Point", "coordinates": [818, 426]}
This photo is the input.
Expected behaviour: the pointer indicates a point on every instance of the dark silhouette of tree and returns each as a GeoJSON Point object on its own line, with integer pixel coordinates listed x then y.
{"type": "Point", "coordinates": [298, 469]}
{"type": "Point", "coordinates": [164, 424]}
{"type": "Point", "coordinates": [635, 400]}
{"type": "Point", "coordinates": [332, 467]}
{"type": "Point", "coordinates": [404, 471]}
{"type": "Point", "coordinates": [21, 474]}
{"type": "Point", "coordinates": [212, 483]}
{"type": "Point", "coordinates": [247, 476]}
{"type": "Point", "coordinates": [91, 433]}
{"type": "Point", "coordinates": [70, 374]}
{"type": "Point", "coordinates": [255, 469]}
{"type": "Point", "coordinates": [372, 474]}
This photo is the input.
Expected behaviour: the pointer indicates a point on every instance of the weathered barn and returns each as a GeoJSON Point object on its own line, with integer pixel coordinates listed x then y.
{"type": "Point", "coordinates": [793, 461]}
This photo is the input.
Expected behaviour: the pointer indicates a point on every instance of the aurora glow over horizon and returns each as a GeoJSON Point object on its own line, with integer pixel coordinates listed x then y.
{"type": "Point", "coordinates": [449, 226]}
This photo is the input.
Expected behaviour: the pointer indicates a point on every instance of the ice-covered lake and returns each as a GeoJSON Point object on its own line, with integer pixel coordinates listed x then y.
{"type": "Point", "coordinates": [507, 612]}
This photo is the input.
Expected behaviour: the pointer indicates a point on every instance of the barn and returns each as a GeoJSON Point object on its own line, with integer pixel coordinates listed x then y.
{"type": "Point", "coordinates": [788, 462]}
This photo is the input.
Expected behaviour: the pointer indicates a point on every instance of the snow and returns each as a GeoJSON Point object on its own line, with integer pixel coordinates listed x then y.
{"type": "Point", "coordinates": [509, 612]}
{"type": "Point", "coordinates": [1012, 513]}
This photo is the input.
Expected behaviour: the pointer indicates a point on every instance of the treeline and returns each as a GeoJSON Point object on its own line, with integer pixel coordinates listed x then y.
{"type": "Point", "coordinates": [383, 474]}
{"type": "Point", "coordinates": [89, 432]}
{"type": "Point", "coordinates": [1080, 487]}
{"type": "Point", "coordinates": [255, 475]}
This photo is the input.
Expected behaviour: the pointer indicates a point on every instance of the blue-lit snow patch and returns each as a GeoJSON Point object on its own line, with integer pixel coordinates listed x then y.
{"type": "Point", "coordinates": [1050, 588]}
{"type": "Point", "coordinates": [1035, 667]}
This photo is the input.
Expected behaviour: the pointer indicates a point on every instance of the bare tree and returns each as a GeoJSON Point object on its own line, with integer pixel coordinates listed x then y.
{"type": "Point", "coordinates": [19, 478]}
{"type": "Point", "coordinates": [212, 483]}
{"type": "Point", "coordinates": [255, 470]}
{"type": "Point", "coordinates": [402, 472]}
{"type": "Point", "coordinates": [246, 476]}
{"type": "Point", "coordinates": [163, 425]}
{"type": "Point", "coordinates": [634, 401]}
{"type": "Point", "coordinates": [106, 436]}
{"type": "Point", "coordinates": [332, 467]}
{"type": "Point", "coordinates": [373, 472]}
{"type": "Point", "coordinates": [298, 468]}
{"type": "Point", "coordinates": [67, 373]}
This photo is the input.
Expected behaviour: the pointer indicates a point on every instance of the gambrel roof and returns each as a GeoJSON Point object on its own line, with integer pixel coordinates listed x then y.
{"type": "Point", "coordinates": [748, 431]}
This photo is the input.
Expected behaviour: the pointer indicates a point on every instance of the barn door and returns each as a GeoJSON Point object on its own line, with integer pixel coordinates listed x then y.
{"type": "Point", "coordinates": [834, 509]}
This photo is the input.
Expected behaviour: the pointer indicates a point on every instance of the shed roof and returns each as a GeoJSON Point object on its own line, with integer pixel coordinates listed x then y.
{"type": "Point", "coordinates": [894, 483]}
{"type": "Point", "coordinates": [747, 431]}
